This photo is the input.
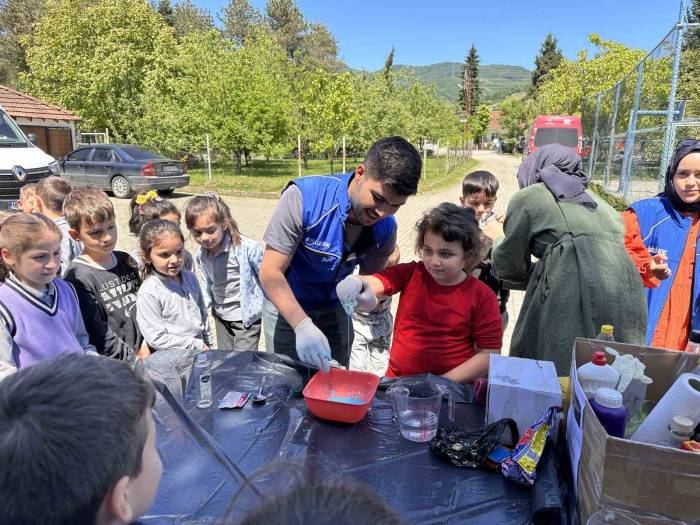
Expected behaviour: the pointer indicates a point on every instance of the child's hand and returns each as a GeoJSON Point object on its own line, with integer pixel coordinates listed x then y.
{"type": "Point", "coordinates": [659, 267]}
{"type": "Point", "coordinates": [493, 229]}
{"type": "Point", "coordinates": [500, 217]}
{"type": "Point", "coordinates": [143, 352]}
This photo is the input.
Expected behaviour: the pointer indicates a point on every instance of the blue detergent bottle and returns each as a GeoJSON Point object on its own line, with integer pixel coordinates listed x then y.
{"type": "Point", "coordinates": [612, 414]}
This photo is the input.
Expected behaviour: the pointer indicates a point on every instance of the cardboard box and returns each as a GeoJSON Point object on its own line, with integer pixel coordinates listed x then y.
{"type": "Point", "coordinates": [645, 480]}
{"type": "Point", "coordinates": [521, 389]}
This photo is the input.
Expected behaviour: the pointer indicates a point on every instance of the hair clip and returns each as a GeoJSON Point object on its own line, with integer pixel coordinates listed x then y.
{"type": "Point", "coordinates": [212, 194]}
{"type": "Point", "coordinates": [148, 196]}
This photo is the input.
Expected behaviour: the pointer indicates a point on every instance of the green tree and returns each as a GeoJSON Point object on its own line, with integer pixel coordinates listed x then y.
{"type": "Point", "coordinates": [17, 19]}
{"type": "Point", "coordinates": [288, 24]}
{"type": "Point", "coordinates": [188, 18]}
{"type": "Point", "coordinates": [547, 59]}
{"type": "Point", "coordinates": [319, 49]}
{"type": "Point", "coordinates": [479, 122]}
{"type": "Point", "coordinates": [516, 115]}
{"type": "Point", "coordinates": [692, 36]}
{"type": "Point", "coordinates": [470, 90]}
{"type": "Point", "coordinates": [95, 64]}
{"type": "Point", "coordinates": [207, 84]}
{"type": "Point", "coordinates": [166, 11]}
{"type": "Point", "coordinates": [240, 20]}
{"type": "Point", "coordinates": [564, 88]}
{"type": "Point", "coordinates": [389, 64]}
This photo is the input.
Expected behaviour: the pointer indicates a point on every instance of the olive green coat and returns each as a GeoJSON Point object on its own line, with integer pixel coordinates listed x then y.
{"type": "Point", "coordinates": [582, 280]}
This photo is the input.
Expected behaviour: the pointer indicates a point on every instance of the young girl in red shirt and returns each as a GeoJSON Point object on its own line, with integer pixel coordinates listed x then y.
{"type": "Point", "coordinates": [447, 322]}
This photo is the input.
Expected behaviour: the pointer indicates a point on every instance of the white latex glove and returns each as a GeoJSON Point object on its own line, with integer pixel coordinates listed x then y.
{"type": "Point", "coordinates": [312, 345]}
{"type": "Point", "coordinates": [355, 292]}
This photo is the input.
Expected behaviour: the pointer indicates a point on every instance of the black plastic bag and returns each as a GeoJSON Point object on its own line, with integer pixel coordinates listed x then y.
{"type": "Point", "coordinates": [471, 447]}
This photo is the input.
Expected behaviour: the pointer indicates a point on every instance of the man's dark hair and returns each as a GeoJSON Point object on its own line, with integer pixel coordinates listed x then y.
{"type": "Point", "coordinates": [70, 428]}
{"type": "Point", "coordinates": [53, 191]}
{"type": "Point", "coordinates": [396, 163]}
{"type": "Point", "coordinates": [480, 182]}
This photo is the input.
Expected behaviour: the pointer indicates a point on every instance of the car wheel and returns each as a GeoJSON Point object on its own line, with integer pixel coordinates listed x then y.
{"type": "Point", "coordinates": [121, 188]}
{"type": "Point", "coordinates": [166, 193]}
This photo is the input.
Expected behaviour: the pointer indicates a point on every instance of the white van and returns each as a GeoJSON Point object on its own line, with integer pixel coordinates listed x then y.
{"type": "Point", "coordinates": [21, 162]}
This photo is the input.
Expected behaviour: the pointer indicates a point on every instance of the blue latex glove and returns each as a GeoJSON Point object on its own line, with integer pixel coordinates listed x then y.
{"type": "Point", "coordinates": [355, 292]}
{"type": "Point", "coordinates": [312, 345]}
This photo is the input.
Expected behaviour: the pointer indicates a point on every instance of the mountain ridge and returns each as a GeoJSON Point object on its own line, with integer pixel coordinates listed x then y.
{"type": "Point", "coordinates": [497, 80]}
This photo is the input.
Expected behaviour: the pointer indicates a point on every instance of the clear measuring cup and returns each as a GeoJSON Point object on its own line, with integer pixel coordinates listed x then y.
{"type": "Point", "coordinates": [417, 405]}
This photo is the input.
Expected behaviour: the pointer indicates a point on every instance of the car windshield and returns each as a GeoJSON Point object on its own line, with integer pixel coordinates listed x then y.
{"type": "Point", "coordinates": [10, 135]}
{"type": "Point", "coordinates": [141, 154]}
{"type": "Point", "coordinates": [564, 136]}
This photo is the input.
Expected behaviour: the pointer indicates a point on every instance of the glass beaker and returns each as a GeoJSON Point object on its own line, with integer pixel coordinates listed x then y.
{"type": "Point", "coordinates": [417, 404]}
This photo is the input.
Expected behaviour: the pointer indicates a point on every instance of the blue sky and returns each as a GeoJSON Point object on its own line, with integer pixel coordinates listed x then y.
{"type": "Point", "coordinates": [503, 31]}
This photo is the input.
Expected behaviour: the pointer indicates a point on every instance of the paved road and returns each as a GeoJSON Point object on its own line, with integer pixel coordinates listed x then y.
{"type": "Point", "coordinates": [253, 214]}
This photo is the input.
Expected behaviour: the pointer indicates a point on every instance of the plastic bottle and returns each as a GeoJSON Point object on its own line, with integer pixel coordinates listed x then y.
{"type": "Point", "coordinates": [693, 345]}
{"type": "Point", "coordinates": [681, 429]}
{"type": "Point", "coordinates": [597, 374]}
{"type": "Point", "coordinates": [202, 369]}
{"type": "Point", "coordinates": [611, 413]}
{"type": "Point", "coordinates": [606, 333]}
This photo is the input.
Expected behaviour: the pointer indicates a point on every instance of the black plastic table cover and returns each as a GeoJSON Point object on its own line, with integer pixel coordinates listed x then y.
{"type": "Point", "coordinates": [211, 456]}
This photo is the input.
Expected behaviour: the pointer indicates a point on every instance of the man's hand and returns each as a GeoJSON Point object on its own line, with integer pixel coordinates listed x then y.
{"type": "Point", "coordinates": [143, 352]}
{"type": "Point", "coordinates": [493, 229]}
{"type": "Point", "coordinates": [312, 345]}
{"type": "Point", "coordinates": [659, 267]}
{"type": "Point", "coordinates": [353, 290]}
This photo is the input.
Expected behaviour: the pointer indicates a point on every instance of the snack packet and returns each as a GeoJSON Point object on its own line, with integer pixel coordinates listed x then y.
{"type": "Point", "coordinates": [521, 466]}
{"type": "Point", "coordinates": [234, 400]}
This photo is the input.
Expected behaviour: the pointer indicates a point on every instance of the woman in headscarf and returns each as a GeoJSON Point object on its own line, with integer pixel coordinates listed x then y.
{"type": "Point", "coordinates": [583, 277]}
{"type": "Point", "coordinates": [661, 237]}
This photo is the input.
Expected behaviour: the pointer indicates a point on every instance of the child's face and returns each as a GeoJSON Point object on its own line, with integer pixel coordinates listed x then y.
{"type": "Point", "coordinates": [479, 202]}
{"type": "Point", "coordinates": [142, 489]}
{"type": "Point", "coordinates": [167, 255]}
{"type": "Point", "coordinates": [207, 233]}
{"type": "Point", "coordinates": [38, 265]}
{"type": "Point", "coordinates": [443, 260]}
{"type": "Point", "coordinates": [98, 239]}
{"type": "Point", "coordinates": [686, 180]}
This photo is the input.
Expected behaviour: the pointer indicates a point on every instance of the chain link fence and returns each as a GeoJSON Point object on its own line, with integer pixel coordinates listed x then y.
{"type": "Point", "coordinates": [630, 130]}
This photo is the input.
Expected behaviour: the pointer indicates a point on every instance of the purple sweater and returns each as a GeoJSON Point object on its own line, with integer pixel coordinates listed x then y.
{"type": "Point", "coordinates": [39, 331]}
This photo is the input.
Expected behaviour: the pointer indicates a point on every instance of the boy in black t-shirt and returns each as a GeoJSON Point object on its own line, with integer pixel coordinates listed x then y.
{"type": "Point", "coordinates": [479, 189]}
{"type": "Point", "coordinates": [105, 280]}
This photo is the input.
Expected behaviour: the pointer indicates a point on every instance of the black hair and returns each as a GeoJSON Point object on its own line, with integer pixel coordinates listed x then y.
{"type": "Point", "coordinates": [153, 208]}
{"type": "Point", "coordinates": [70, 428]}
{"type": "Point", "coordinates": [218, 211]}
{"type": "Point", "coordinates": [396, 163]}
{"type": "Point", "coordinates": [151, 232]}
{"type": "Point", "coordinates": [480, 182]}
{"type": "Point", "coordinates": [323, 502]}
{"type": "Point", "coordinates": [454, 224]}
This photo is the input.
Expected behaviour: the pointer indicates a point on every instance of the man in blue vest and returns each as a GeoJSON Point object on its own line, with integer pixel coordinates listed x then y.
{"type": "Point", "coordinates": [322, 228]}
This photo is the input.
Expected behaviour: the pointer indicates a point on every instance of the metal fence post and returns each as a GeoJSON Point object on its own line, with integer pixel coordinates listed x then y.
{"type": "Point", "coordinates": [208, 159]}
{"type": "Point", "coordinates": [669, 132]}
{"type": "Point", "coordinates": [611, 134]}
{"type": "Point", "coordinates": [629, 139]}
{"type": "Point", "coordinates": [594, 138]}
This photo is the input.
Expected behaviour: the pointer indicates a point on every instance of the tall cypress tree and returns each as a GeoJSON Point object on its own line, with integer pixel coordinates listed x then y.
{"type": "Point", "coordinates": [389, 63]}
{"type": "Point", "coordinates": [548, 58]}
{"type": "Point", "coordinates": [166, 11]}
{"type": "Point", "coordinates": [470, 90]}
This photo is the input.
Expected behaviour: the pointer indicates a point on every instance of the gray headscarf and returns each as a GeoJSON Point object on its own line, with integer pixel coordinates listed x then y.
{"type": "Point", "coordinates": [561, 170]}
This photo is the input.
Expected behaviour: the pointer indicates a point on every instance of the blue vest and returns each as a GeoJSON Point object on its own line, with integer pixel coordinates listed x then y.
{"type": "Point", "coordinates": [322, 260]}
{"type": "Point", "coordinates": [665, 231]}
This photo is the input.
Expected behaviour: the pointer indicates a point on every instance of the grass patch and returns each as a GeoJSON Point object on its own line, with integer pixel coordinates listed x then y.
{"type": "Point", "coordinates": [616, 202]}
{"type": "Point", "coordinates": [272, 176]}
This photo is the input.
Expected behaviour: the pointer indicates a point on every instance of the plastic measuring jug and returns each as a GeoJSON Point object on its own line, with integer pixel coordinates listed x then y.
{"type": "Point", "coordinates": [417, 405]}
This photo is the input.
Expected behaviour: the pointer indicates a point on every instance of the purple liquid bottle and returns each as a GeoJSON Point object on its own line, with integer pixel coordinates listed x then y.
{"type": "Point", "coordinates": [611, 413]}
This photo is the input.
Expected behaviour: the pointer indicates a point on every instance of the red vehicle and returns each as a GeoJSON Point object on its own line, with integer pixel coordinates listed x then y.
{"type": "Point", "coordinates": [555, 129]}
